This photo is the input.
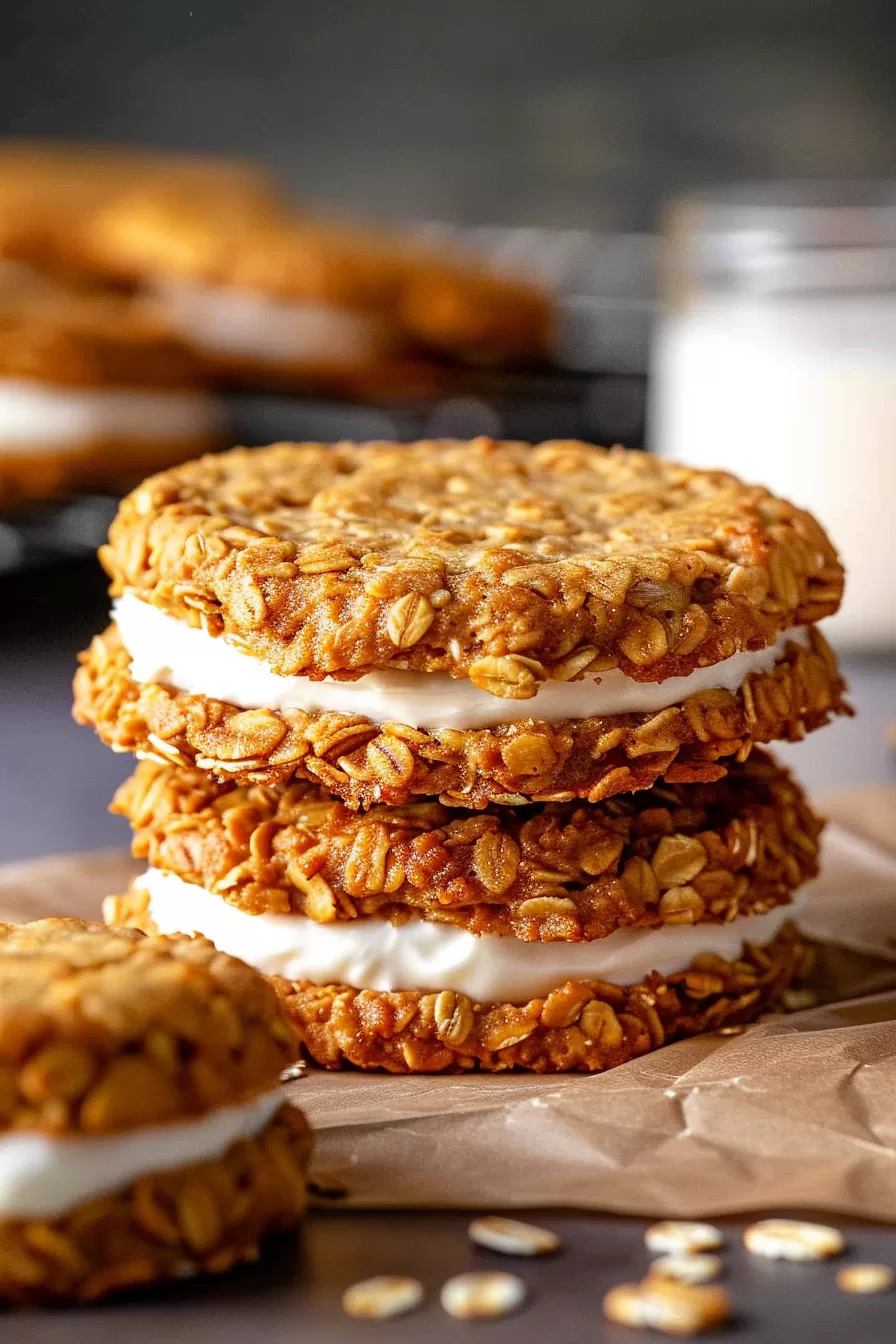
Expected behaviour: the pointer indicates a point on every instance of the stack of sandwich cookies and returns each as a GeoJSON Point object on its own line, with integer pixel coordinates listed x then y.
{"type": "Point", "coordinates": [92, 392]}
{"type": "Point", "coordinates": [145, 1134]}
{"type": "Point", "coordinates": [262, 293]}
{"type": "Point", "coordinates": [535, 675]}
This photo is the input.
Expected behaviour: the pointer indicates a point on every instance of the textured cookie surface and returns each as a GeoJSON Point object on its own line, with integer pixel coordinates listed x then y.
{"type": "Point", "coordinates": [201, 1218]}
{"type": "Point", "coordinates": [686, 853]}
{"type": "Point", "coordinates": [500, 562]}
{"type": "Point", "coordinates": [102, 1030]}
{"type": "Point", "coordinates": [580, 1027]}
{"type": "Point", "coordinates": [529, 761]}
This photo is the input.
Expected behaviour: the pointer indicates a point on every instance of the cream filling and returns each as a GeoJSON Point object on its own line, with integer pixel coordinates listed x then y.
{"type": "Point", "coordinates": [489, 967]}
{"type": "Point", "coordinates": [165, 649]}
{"type": "Point", "coordinates": [45, 1175]}
{"type": "Point", "coordinates": [36, 416]}
{"type": "Point", "coordinates": [237, 322]}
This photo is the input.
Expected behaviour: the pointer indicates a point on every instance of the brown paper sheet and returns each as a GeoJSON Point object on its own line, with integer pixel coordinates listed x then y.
{"type": "Point", "coordinates": [799, 1111]}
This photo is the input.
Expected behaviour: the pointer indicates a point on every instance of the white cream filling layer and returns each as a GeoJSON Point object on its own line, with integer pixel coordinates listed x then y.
{"type": "Point", "coordinates": [257, 326]}
{"type": "Point", "coordinates": [165, 649]}
{"type": "Point", "coordinates": [42, 416]}
{"type": "Point", "coordinates": [45, 1175]}
{"type": "Point", "coordinates": [490, 968]}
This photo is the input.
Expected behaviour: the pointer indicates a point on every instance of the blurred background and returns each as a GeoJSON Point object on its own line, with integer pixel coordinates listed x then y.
{"type": "Point", "coordinates": [564, 115]}
{"type": "Point", "coordinates": [700, 196]}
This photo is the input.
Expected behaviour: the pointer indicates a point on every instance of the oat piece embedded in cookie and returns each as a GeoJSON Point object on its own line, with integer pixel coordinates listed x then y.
{"type": "Point", "coordinates": [504, 563]}
{"type": "Point", "coordinates": [671, 854]}
{"type": "Point", "coordinates": [143, 1133]}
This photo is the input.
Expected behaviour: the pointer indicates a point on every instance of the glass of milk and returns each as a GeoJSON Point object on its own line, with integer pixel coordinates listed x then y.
{"type": "Point", "coordinates": [775, 358]}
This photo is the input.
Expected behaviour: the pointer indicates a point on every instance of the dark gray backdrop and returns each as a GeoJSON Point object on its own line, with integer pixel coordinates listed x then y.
{"type": "Point", "coordinates": [558, 112]}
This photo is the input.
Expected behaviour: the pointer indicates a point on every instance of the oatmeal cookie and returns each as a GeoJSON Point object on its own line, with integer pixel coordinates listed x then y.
{"type": "Point", "coordinates": [580, 1026]}
{"type": "Point", "coordinates": [143, 1134]}
{"type": "Point", "coordinates": [103, 1030]}
{"type": "Point", "coordinates": [51, 190]}
{"type": "Point", "coordinates": [365, 763]}
{"type": "Point", "coordinates": [93, 392]}
{"type": "Point", "coordinates": [381, 294]}
{"type": "Point", "coordinates": [684, 853]}
{"type": "Point", "coordinates": [204, 1217]}
{"type": "Point", "coordinates": [502, 563]}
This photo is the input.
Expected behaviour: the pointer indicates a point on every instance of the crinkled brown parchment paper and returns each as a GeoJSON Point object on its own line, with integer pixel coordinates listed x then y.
{"type": "Point", "coordinates": [799, 1110]}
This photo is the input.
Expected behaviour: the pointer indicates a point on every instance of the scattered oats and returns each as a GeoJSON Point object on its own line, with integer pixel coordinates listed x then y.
{"type": "Point", "coordinates": [475, 1297]}
{"type": "Point", "coordinates": [672, 1308]}
{"type": "Point", "coordinates": [383, 1296]}
{"type": "Point", "coordinates": [787, 1239]}
{"type": "Point", "coordinates": [865, 1278]}
{"type": "Point", "coordinates": [510, 1237]}
{"type": "Point", "coordinates": [293, 1072]}
{"type": "Point", "coordinates": [682, 1238]}
{"type": "Point", "coordinates": [687, 1268]}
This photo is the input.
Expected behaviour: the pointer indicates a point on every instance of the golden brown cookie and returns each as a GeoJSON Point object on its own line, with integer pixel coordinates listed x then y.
{"type": "Point", "coordinates": [272, 290]}
{"type": "Point", "coordinates": [502, 563]}
{"type": "Point", "coordinates": [685, 853]}
{"type": "Point", "coordinates": [144, 1135]}
{"type": "Point", "coordinates": [93, 392]}
{"type": "Point", "coordinates": [51, 189]}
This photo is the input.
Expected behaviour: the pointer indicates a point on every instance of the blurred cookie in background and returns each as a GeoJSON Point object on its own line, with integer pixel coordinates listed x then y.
{"type": "Point", "coordinates": [49, 190]}
{"type": "Point", "coordinates": [270, 295]}
{"type": "Point", "coordinates": [93, 392]}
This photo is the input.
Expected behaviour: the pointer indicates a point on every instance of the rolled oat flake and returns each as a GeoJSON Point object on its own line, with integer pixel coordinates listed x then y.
{"type": "Point", "coordinates": [865, 1278]}
{"type": "Point", "coordinates": [672, 1308]}
{"type": "Point", "coordinates": [382, 1296]}
{"type": "Point", "coordinates": [508, 1236]}
{"type": "Point", "coordinates": [789, 1239]}
{"type": "Point", "coordinates": [479, 1297]}
{"type": "Point", "coordinates": [677, 1238]}
{"type": "Point", "coordinates": [686, 1268]}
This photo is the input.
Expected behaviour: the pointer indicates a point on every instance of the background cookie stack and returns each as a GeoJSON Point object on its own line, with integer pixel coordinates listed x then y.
{"type": "Point", "coordinates": [139, 288]}
{"type": "Point", "coordinates": [455, 740]}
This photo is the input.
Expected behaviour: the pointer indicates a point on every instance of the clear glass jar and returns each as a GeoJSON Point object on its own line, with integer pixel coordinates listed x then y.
{"type": "Point", "coordinates": [775, 358]}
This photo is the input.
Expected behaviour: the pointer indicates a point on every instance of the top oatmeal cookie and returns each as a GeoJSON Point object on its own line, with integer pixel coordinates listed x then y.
{"type": "Point", "coordinates": [505, 563]}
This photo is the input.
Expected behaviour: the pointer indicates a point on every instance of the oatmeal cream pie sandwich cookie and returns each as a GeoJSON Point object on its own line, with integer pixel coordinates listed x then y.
{"type": "Point", "coordinates": [143, 1133]}
{"type": "Point", "coordinates": [93, 393]}
{"type": "Point", "coordinates": [263, 291]}
{"type": "Point", "coordinates": [553, 937]}
{"type": "Point", "coordinates": [480, 622]}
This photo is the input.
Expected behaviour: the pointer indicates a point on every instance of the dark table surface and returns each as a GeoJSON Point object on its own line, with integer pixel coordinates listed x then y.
{"type": "Point", "coordinates": [293, 1293]}
{"type": "Point", "coordinates": [55, 783]}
